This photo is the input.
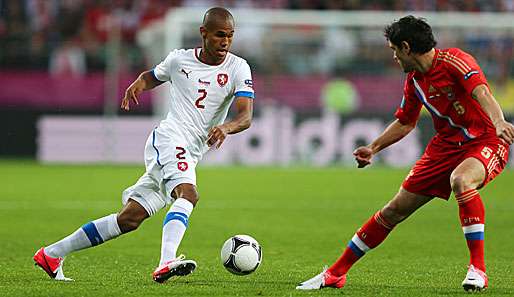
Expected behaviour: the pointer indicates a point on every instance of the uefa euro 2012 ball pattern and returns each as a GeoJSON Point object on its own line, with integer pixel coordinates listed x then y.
{"type": "Point", "coordinates": [241, 254]}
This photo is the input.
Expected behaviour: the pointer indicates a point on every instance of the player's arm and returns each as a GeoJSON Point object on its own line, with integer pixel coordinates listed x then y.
{"type": "Point", "coordinates": [241, 122]}
{"type": "Point", "coordinates": [504, 129]}
{"type": "Point", "coordinates": [145, 81]}
{"type": "Point", "coordinates": [393, 133]}
{"type": "Point", "coordinates": [407, 116]}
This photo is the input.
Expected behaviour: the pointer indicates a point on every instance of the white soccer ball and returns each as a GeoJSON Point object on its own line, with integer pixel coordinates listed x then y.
{"type": "Point", "coordinates": [241, 254]}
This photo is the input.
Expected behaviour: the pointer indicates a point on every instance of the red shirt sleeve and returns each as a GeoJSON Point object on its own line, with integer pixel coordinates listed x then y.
{"type": "Point", "coordinates": [464, 68]}
{"type": "Point", "coordinates": [410, 107]}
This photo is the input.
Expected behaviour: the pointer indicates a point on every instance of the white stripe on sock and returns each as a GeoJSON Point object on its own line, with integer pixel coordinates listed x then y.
{"type": "Point", "coordinates": [473, 228]}
{"type": "Point", "coordinates": [359, 243]}
{"type": "Point", "coordinates": [108, 227]}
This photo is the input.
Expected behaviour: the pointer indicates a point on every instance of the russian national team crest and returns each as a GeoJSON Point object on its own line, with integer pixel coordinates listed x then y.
{"type": "Point", "coordinates": [449, 92]}
{"type": "Point", "coordinates": [182, 166]}
{"type": "Point", "coordinates": [222, 79]}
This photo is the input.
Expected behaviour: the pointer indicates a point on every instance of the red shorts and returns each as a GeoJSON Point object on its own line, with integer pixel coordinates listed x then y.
{"type": "Point", "coordinates": [430, 176]}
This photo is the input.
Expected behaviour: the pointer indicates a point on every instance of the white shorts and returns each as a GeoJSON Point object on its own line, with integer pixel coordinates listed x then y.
{"type": "Point", "coordinates": [168, 164]}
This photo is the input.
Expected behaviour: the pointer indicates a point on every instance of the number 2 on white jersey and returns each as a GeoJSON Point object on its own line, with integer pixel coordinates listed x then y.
{"type": "Point", "coordinates": [198, 102]}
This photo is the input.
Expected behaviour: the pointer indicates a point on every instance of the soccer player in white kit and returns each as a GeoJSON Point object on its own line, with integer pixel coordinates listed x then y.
{"type": "Point", "coordinates": [204, 83]}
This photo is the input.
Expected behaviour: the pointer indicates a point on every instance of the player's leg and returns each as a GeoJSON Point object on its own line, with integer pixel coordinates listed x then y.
{"type": "Point", "coordinates": [369, 236]}
{"type": "Point", "coordinates": [376, 229]}
{"type": "Point", "coordinates": [177, 182]}
{"type": "Point", "coordinates": [176, 220]}
{"type": "Point", "coordinates": [91, 234]}
{"type": "Point", "coordinates": [174, 227]}
{"type": "Point", "coordinates": [465, 180]}
{"type": "Point", "coordinates": [482, 162]}
{"type": "Point", "coordinates": [428, 178]}
{"type": "Point", "coordinates": [100, 230]}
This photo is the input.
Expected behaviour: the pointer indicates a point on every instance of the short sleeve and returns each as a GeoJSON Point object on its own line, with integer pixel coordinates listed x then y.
{"type": "Point", "coordinates": [162, 71]}
{"type": "Point", "coordinates": [410, 107]}
{"type": "Point", "coordinates": [243, 82]}
{"type": "Point", "coordinates": [464, 68]}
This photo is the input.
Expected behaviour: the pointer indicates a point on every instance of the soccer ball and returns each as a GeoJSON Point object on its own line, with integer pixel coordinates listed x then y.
{"type": "Point", "coordinates": [241, 254]}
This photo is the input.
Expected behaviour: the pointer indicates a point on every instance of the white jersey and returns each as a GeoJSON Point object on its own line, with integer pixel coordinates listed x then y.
{"type": "Point", "coordinates": [201, 94]}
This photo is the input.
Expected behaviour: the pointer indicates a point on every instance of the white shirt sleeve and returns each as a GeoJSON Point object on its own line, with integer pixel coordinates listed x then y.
{"type": "Point", "coordinates": [243, 82]}
{"type": "Point", "coordinates": [162, 71]}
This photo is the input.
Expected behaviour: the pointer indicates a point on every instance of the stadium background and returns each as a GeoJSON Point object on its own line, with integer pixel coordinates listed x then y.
{"type": "Point", "coordinates": [321, 89]}
{"type": "Point", "coordinates": [67, 151]}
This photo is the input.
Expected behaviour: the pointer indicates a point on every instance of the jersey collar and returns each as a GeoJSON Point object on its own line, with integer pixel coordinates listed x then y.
{"type": "Point", "coordinates": [434, 60]}
{"type": "Point", "coordinates": [198, 50]}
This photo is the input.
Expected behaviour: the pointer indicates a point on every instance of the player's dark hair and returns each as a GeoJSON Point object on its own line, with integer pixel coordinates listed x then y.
{"type": "Point", "coordinates": [415, 31]}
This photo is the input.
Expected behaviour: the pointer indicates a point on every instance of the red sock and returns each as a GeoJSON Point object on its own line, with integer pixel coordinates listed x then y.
{"type": "Point", "coordinates": [370, 235]}
{"type": "Point", "coordinates": [472, 219]}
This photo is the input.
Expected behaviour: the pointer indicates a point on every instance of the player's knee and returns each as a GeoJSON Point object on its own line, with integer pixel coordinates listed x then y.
{"type": "Point", "coordinates": [460, 182]}
{"type": "Point", "coordinates": [393, 213]}
{"type": "Point", "coordinates": [127, 223]}
{"type": "Point", "coordinates": [131, 217]}
{"type": "Point", "coordinates": [192, 197]}
{"type": "Point", "coordinates": [187, 192]}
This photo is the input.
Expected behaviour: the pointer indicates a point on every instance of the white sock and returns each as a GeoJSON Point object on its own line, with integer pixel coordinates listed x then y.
{"type": "Point", "coordinates": [174, 227]}
{"type": "Point", "coordinates": [91, 234]}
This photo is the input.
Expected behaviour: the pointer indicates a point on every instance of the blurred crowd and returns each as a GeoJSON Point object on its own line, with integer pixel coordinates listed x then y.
{"type": "Point", "coordinates": [71, 36]}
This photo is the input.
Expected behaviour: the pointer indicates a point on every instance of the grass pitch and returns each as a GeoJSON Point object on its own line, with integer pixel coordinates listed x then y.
{"type": "Point", "coordinates": [303, 218]}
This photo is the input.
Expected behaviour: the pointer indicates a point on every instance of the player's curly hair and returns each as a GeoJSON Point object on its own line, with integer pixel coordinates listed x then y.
{"type": "Point", "coordinates": [415, 31]}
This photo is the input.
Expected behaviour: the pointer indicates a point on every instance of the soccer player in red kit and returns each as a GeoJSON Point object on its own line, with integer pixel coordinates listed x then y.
{"type": "Point", "coordinates": [469, 149]}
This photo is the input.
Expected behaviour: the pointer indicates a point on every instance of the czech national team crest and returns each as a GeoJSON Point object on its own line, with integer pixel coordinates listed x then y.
{"type": "Point", "coordinates": [222, 79]}
{"type": "Point", "coordinates": [182, 166]}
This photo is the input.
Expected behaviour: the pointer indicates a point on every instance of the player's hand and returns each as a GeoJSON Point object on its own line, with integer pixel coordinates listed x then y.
{"type": "Point", "coordinates": [131, 95]}
{"type": "Point", "coordinates": [505, 131]}
{"type": "Point", "coordinates": [217, 136]}
{"type": "Point", "coordinates": [363, 156]}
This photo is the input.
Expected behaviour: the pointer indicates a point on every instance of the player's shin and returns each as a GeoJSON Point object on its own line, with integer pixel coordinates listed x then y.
{"type": "Point", "coordinates": [370, 235]}
{"type": "Point", "coordinates": [472, 219]}
{"type": "Point", "coordinates": [174, 226]}
{"type": "Point", "coordinates": [90, 234]}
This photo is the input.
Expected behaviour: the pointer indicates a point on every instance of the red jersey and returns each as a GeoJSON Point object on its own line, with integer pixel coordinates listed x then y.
{"type": "Point", "coordinates": [445, 90]}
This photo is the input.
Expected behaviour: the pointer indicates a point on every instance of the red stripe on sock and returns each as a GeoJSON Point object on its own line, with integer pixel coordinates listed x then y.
{"type": "Point", "coordinates": [382, 221]}
{"type": "Point", "coordinates": [374, 231]}
{"type": "Point", "coordinates": [457, 195]}
{"type": "Point", "coordinates": [465, 196]}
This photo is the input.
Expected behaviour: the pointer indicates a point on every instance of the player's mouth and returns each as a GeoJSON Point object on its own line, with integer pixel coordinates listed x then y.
{"type": "Point", "coordinates": [221, 52]}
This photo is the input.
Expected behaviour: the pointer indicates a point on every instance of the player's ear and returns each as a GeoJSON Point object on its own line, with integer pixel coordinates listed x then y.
{"type": "Point", "coordinates": [203, 32]}
{"type": "Point", "coordinates": [405, 47]}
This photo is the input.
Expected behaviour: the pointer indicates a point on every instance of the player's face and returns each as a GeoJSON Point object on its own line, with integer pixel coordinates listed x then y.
{"type": "Point", "coordinates": [218, 39]}
{"type": "Point", "coordinates": [401, 56]}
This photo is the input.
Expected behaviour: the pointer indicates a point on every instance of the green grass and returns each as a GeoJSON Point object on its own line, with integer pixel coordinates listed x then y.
{"type": "Point", "coordinates": [303, 218]}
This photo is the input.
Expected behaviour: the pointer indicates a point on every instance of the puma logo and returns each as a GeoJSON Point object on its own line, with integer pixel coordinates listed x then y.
{"type": "Point", "coordinates": [185, 72]}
